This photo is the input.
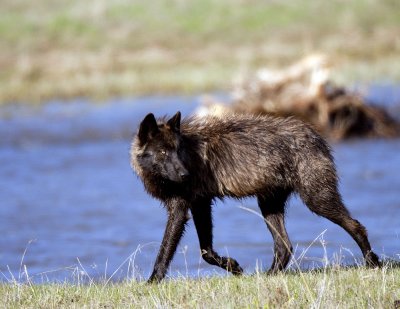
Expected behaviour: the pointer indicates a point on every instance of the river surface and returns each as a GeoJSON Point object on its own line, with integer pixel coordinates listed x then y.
{"type": "Point", "coordinates": [71, 209]}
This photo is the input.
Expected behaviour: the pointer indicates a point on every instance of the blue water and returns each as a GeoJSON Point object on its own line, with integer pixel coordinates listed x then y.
{"type": "Point", "coordinates": [72, 209]}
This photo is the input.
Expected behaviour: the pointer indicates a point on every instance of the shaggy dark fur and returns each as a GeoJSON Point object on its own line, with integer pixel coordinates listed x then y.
{"type": "Point", "coordinates": [187, 165]}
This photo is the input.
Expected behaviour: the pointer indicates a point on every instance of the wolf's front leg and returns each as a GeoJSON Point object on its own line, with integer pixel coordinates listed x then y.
{"type": "Point", "coordinates": [177, 218]}
{"type": "Point", "coordinates": [201, 211]}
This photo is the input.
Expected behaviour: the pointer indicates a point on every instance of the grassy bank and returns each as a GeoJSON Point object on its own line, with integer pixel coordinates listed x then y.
{"type": "Point", "coordinates": [59, 49]}
{"type": "Point", "coordinates": [334, 288]}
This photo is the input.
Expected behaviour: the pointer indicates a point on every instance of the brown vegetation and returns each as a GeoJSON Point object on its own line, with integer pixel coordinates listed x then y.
{"type": "Point", "coordinates": [304, 90]}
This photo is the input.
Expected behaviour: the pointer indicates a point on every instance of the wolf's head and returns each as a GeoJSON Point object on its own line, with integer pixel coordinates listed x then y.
{"type": "Point", "coordinates": [157, 149]}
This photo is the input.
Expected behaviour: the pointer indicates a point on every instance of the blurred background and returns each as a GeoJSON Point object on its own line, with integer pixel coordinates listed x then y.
{"type": "Point", "coordinates": [62, 49]}
{"type": "Point", "coordinates": [76, 78]}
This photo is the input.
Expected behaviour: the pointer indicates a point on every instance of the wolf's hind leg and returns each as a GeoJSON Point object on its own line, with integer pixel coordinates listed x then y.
{"type": "Point", "coordinates": [201, 211]}
{"type": "Point", "coordinates": [273, 209]}
{"type": "Point", "coordinates": [328, 203]}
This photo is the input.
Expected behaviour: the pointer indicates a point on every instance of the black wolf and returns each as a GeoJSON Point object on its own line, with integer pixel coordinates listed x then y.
{"type": "Point", "coordinates": [188, 164]}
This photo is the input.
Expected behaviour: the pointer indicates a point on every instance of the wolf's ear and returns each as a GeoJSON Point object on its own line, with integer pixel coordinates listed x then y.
{"type": "Point", "coordinates": [148, 128]}
{"type": "Point", "coordinates": [175, 122]}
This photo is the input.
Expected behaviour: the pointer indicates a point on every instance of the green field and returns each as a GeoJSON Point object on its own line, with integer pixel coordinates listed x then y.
{"type": "Point", "coordinates": [333, 288]}
{"type": "Point", "coordinates": [100, 49]}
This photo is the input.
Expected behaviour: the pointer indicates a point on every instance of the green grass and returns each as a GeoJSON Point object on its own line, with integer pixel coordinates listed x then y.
{"type": "Point", "coordinates": [326, 288]}
{"type": "Point", "coordinates": [59, 49]}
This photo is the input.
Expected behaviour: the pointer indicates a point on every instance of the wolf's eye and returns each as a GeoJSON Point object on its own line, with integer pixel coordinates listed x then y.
{"type": "Point", "coordinates": [163, 152]}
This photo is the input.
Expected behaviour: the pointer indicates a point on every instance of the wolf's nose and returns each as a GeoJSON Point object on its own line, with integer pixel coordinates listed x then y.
{"type": "Point", "coordinates": [184, 175]}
